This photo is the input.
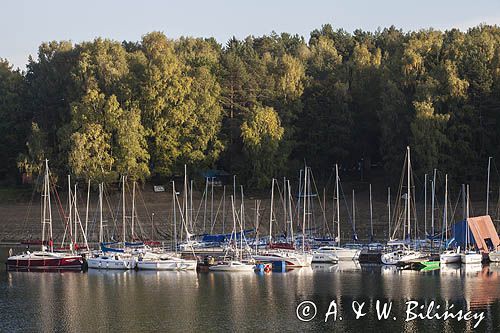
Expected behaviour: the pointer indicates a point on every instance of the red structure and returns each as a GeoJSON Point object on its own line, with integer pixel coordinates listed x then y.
{"type": "Point", "coordinates": [484, 233]}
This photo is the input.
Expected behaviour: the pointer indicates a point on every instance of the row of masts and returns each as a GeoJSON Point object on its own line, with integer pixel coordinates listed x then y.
{"type": "Point", "coordinates": [76, 231]}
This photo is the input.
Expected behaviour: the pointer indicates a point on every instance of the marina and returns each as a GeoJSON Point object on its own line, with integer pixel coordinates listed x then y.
{"type": "Point", "coordinates": [297, 242]}
{"type": "Point", "coordinates": [241, 300]}
{"type": "Point", "coordinates": [242, 167]}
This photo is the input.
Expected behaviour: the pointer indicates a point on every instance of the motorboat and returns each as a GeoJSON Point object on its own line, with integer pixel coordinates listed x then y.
{"type": "Point", "coordinates": [342, 253]}
{"type": "Point", "coordinates": [112, 261]}
{"type": "Point", "coordinates": [164, 262]}
{"type": "Point", "coordinates": [291, 258]}
{"type": "Point", "coordinates": [232, 266]}
{"type": "Point", "coordinates": [324, 256]}
{"type": "Point", "coordinates": [401, 256]}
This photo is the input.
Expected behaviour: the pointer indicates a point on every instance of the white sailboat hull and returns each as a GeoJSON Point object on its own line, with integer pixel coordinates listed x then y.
{"type": "Point", "coordinates": [112, 262]}
{"type": "Point", "coordinates": [167, 265]}
{"type": "Point", "coordinates": [292, 259]}
{"type": "Point", "coordinates": [396, 257]}
{"type": "Point", "coordinates": [494, 256]}
{"type": "Point", "coordinates": [232, 266]}
{"type": "Point", "coordinates": [336, 254]}
{"type": "Point", "coordinates": [450, 258]}
{"type": "Point", "coordinates": [323, 257]}
{"type": "Point", "coordinates": [471, 258]}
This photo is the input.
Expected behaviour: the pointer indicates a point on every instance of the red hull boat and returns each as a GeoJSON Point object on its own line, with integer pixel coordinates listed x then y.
{"type": "Point", "coordinates": [45, 261]}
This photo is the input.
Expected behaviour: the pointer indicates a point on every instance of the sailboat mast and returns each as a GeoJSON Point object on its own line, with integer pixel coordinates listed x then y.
{"type": "Point", "coordinates": [70, 210]}
{"type": "Point", "coordinates": [446, 207]}
{"type": "Point", "coordinates": [425, 205]}
{"type": "Point", "coordinates": [87, 210]}
{"type": "Point", "coordinates": [257, 207]}
{"type": "Point", "coordinates": [174, 195]}
{"type": "Point", "coordinates": [223, 208]}
{"type": "Point", "coordinates": [467, 213]}
{"type": "Point", "coordinates": [371, 214]}
{"type": "Point", "coordinates": [212, 202]}
{"type": "Point", "coordinates": [101, 230]}
{"type": "Point", "coordinates": [304, 211]}
{"type": "Point", "coordinates": [75, 218]}
{"type": "Point", "coordinates": [242, 221]}
{"type": "Point", "coordinates": [123, 209]}
{"type": "Point", "coordinates": [46, 210]}
{"type": "Point", "coordinates": [353, 212]}
{"type": "Point", "coordinates": [290, 209]}
{"type": "Point", "coordinates": [488, 187]}
{"type": "Point", "coordinates": [408, 193]}
{"type": "Point", "coordinates": [234, 226]}
{"type": "Point", "coordinates": [206, 200]}
{"type": "Point", "coordinates": [133, 210]}
{"type": "Point", "coordinates": [190, 206]}
{"type": "Point", "coordinates": [285, 215]}
{"type": "Point", "coordinates": [271, 213]}
{"type": "Point", "coordinates": [337, 191]}
{"type": "Point", "coordinates": [464, 214]}
{"type": "Point", "coordinates": [433, 196]}
{"type": "Point", "coordinates": [389, 209]}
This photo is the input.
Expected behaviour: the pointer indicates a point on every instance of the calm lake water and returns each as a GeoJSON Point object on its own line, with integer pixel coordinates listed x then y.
{"type": "Point", "coordinates": [247, 302]}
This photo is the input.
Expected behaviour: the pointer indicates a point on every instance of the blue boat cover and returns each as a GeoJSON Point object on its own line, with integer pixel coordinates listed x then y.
{"type": "Point", "coordinates": [459, 232]}
{"type": "Point", "coordinates": [110, 249]}
{"type": "Point", "coordinates": [221, 238]}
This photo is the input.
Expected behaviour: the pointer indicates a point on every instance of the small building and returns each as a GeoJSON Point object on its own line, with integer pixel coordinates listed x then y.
{"type": "Point", "coordinates": [482, 234]}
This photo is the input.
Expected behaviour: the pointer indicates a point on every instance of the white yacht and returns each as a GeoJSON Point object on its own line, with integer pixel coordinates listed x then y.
{"type": "Point", "coordinates": [344, 253]}
{"type": "Point", "coordinates": [400, 256]}
{"type": "Point", "coordinates": [232, 266]}
{"type": "Point", "coordinates": [334, 254]}
{"type": "Point", "coordinates": [471, 257]}
{"type": "Point", "coordinates": [494, 256]}
{"type": "Point", "coordinates": [164, 262]}
{"type": "Point", "coordinates": [324, 255]}
{"type": "Point", "coordinates": [112, 261]}
{"type": "Point", "coordinates": [292, 258]}
{"type": "Point", "coordinates": [450, 256]}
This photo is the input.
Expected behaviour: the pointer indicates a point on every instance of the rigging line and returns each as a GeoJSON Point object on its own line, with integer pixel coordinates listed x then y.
{"type": "Point", "coordinates": [456, 204]}
{"type": "Point", "coordinates": [149, 215]}
{"type": "Point", "coordinates": [30, 205]}
{"type": "Point", "coordinates": [212, 227]}
{"type": "Point", "coordinates": [319, 200]}
{"type": "Point", "coordinates": [349, 216]}
{"type": "Point", "coordinates": [398, 206]}
{"type": "Point", "coordinates": [114, 217]}
{"type": "Point", "coordinates": [203, 197]}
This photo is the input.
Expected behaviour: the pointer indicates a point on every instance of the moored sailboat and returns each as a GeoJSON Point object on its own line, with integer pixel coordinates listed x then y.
{"type": "Point", "coordinates": [469, 256]}
{"type": "Point", "coordinates": [289, 255]}
{"type": "Point", "coordinates": [448, 256]}
{"type": "Point", "coordinates": [46, 259]}
{"type": "Point", "coordinates": [237, 264]}
{"type": "Point", "coordinates": [406, 254]}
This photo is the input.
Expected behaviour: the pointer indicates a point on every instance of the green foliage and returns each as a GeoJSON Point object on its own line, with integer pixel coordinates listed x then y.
{"type": "Point", "coordinates": [14, 118]}
{"type": "Point", "coordinates": [90, 156]}
{"type": "Point", "coordinates": [257, 107]}
{"type": "Point", "coordinates": [37, 146]}
{"type": "Point", "coordinates": [261, 134]}
{"type": "Point", "coordinates": [428, 138]}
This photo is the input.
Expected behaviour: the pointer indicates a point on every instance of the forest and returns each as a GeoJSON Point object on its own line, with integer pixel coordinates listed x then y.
{"type": "Point", "coordinates": [258, 107]}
